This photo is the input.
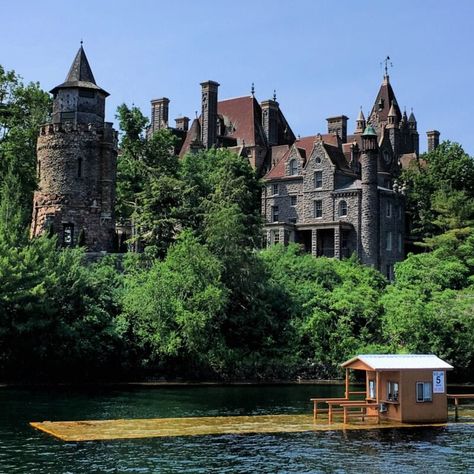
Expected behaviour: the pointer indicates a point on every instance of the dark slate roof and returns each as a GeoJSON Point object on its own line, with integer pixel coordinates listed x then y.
{"type": "Point", "coordinates": [80, 74]}
{"type": "Point", "coordinates": [337, 157]}
{"type": "Point", "coordinates": [388, 98]}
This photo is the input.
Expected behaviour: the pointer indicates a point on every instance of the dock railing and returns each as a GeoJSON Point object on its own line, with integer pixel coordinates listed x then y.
{"type": "Point", "coordinates": [456, 397]}
{"type": "Point", "coordinates": [337, 401]}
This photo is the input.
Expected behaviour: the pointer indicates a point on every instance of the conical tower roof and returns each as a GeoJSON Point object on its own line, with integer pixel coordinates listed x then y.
{"type": "Point", "coordinates": [385, 98]}
{"type": "Point", "coordinates": [80, 75]}
{"type": "Point", "coordinates": [412, 118]}
{"type": "Point", "coordinates": [360, 117]}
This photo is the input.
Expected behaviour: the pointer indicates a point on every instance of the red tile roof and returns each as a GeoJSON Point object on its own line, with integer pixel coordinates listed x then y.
{"type": "Point", "coordinates": [245, 115]}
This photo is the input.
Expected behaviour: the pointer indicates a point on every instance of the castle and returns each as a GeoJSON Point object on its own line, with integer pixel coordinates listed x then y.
{"type": "Point", "coordinates": [335, 193]}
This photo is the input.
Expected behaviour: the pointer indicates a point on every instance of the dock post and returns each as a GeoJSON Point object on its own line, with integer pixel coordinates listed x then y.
{"type": "Point", "coordinates": [456, 402]}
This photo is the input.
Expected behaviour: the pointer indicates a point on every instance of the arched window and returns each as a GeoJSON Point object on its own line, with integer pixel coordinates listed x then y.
{"type": "Point", "coordinates": [293, 167]}
{"type": "Point", "coordinates": [342, 209]}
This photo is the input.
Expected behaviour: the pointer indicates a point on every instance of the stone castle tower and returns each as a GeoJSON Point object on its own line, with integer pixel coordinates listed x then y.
{"type": "Point", "coordinates": [369, 237]}
{"type": "Point", "coordinates": [76, 165]}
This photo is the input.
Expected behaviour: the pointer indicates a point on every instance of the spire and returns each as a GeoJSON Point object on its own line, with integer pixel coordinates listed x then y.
{"type": "Point", "coordinates": [360, 122]}
{"type": "Point", "coordinates": [80, 69]}
{"type": "Point", "coordinates": [80, 74]}
{"type": "Point", "coordinates": [392, 115]}
{"type": "Point", "coordinates": [383, 102]}
{"type": "Point", "coordinates": [412, 121]}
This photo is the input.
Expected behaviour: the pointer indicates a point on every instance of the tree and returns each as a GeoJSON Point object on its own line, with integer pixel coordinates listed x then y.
{"type": "Point", "coordinates": [22, 109]}
{"type": "Point", "coordinates": [148, 189]}
{"type": "Point", "coordinates": [172, 309]}
{"type": "Point", "coordinates": [440, 191]}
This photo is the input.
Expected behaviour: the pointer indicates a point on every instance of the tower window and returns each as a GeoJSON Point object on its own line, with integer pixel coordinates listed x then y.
{"type": "Point", "coordinates": [68, 235]}
{"type": "Point", "coordinates": [87, 93]}
{"type": "Point", "coordinates": [79, 167]}
{"type": "Point", "coordinates": [67, 116]}
{"type": "Point", "coordinates": [342, 209]}
{"type": "Point", "coordinates": [318, 179]}
{"type": "Point", "coordinates": [293, 168]}
{"type": "Point", "coordinates": [318, 209]}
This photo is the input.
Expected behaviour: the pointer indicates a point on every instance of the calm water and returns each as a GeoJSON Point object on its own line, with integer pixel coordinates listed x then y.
{"type": "Point", "coordinates": [22, 449]}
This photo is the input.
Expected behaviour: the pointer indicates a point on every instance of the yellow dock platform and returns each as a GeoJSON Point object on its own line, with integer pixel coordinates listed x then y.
{"type": "Point", "coordinates": [95, 430]}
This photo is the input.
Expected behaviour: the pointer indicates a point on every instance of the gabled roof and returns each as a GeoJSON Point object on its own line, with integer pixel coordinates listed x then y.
{"type": "Point", "coordinates": [80, 74]}
{"type": "Point", "coordinates": [399, 361]}
{"type": "Point", "coordinates": [337, 157]}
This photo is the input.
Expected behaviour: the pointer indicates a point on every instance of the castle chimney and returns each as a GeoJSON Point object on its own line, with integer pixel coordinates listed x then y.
{"type": "Point", "coordinates": [338, 125]}
{"type": "Point", "coordinates": [182, 123]}
{"type": "Point", "coordinates": [209, 113]}
{"type": "Point", "coordinates": [159, 114]}
{"type": "Point", "coordinates": [270, 121]}
{"type": "Point", "coordinates": [433, 140]}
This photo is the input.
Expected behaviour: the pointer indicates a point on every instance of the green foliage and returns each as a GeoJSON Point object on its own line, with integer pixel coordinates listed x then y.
{"type": "Point", "coordinates": [22, 109]}
{"type": "Point", "coordinates": [172, 309]}
{"type": "Point", "coordinates": [56, 313]}
{"type": "Point", "coordinates": [440, 191]}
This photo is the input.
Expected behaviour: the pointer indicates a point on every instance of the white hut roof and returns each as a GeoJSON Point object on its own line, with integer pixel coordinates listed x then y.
{"type": "Point", "coordinates": [400, 361]}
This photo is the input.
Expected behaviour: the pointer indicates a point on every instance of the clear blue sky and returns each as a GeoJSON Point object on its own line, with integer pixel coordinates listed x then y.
{"type": "Point", "coordinates": [322, 56]}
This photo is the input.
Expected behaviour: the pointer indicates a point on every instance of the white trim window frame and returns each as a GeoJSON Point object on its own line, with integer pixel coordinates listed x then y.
{"type": "Point", "coordinates": [424, 392]}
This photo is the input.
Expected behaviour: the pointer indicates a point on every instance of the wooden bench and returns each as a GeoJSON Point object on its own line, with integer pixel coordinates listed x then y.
{"type": "Point", "coordinates": [347, 404]}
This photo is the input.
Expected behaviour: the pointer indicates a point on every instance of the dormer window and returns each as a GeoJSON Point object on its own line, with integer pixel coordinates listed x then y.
{"type": "Point", "coordinates": [293, 167]}
{"type": "Point", "coordinates": [381, 103]}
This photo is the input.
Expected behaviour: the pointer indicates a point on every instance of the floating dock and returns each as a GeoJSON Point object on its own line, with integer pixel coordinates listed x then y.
{"type": "Point", "coordinates": [95, 430]}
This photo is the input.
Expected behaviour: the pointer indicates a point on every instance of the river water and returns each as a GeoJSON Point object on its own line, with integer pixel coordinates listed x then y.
{"type": "Point", "coordinates": [24, 450]}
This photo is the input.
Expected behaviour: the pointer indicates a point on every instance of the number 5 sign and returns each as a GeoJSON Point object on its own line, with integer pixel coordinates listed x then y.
{"type": "Point", "coordinates": [438, 381]}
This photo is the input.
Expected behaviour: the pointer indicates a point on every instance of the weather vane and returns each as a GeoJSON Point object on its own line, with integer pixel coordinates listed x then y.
{"type": "Point", "coordinates": [274, 95]}
{"type": "Point", "coordinates": [252, 90]}
{"type": "Point", "coordinates": [388, 64]}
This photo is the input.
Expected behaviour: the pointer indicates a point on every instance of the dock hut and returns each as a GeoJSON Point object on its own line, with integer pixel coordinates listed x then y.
{"type": "Point", "coordinates": [409, 388]}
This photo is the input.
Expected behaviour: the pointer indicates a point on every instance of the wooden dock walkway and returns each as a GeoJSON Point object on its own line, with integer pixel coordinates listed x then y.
{"type": "Point", "coordinates": [94, 430]}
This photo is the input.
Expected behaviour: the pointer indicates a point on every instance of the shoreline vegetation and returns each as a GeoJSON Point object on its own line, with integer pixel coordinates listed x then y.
{"type": "Point", "coordinates": [204, 299]}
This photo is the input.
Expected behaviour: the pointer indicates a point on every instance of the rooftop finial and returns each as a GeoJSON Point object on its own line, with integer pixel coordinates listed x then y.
{"type": "Point", "coordinates": [388, 64]}
{"type": "Point", "coordinates": [274, 95]}
{"type": "Point", "coordinates": [196, 113]}
{"type": "Point", "coordinates": [252, 90]}
{"type": "Point", "coordinates": [82, 42]}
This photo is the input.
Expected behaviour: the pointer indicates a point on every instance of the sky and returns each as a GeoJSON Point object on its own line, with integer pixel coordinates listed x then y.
{"type": "Point", "coordinates": [323, 57]}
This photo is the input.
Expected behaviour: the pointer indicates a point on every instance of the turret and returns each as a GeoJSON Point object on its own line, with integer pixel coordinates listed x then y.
{"type": "Point", "coordinates": [76, 157]}
{"type": "Point", "coordinates": [415, 139]}
{"type": "Point", "coordinates": [369, 200]}
{"type": "Point", "coordinates": [393, 130]}
{"type": "Point", "coordinates": [360, 123]}
{"type": "Point", "coordinates": [79, 99]}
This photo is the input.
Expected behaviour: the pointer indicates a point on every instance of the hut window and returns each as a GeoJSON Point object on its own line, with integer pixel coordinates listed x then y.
{"type": "Point", "coordinates": [424, 391]}
{"type": "Point", "coordinates": [372, 388]}
{"type": "Point", "coordinates": [392, 391]}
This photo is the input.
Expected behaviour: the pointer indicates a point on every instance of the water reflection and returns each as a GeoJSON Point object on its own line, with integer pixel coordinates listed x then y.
{"type": "Point", "coordinates": [442, 449]}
